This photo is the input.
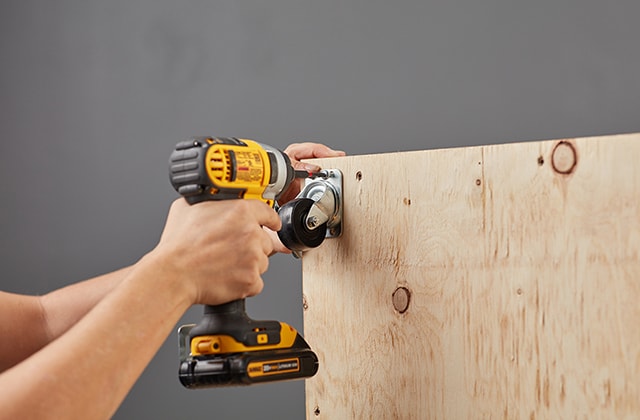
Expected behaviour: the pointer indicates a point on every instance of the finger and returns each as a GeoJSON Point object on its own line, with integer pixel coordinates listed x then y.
{"type": "Point", "coordinates": [264, 264]}
{"type": "Point", "coordinates": [308, 150]}
{"type": "Point", "coordinates": [305, 166]}
{"type": "Point", "coordinates": [265, 215]}
{"type": "Point", "coordinates": [256, 287]}
{"type": "Point", "coordinates": [269, 238]}
{"type": "Point", "coordinates": [276, 244]}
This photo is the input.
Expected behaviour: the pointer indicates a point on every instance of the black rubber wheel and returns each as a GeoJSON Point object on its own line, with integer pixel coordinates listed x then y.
{"type": "Point", "coordinates": [295, 234]}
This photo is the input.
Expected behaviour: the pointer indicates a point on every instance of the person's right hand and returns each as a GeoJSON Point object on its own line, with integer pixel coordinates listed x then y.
{"type": "Point", "coordinates": [218, 249]}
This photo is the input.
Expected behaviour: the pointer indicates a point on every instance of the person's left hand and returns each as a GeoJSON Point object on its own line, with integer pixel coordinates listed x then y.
{"type": "Point", "coordinates": [297, 152]}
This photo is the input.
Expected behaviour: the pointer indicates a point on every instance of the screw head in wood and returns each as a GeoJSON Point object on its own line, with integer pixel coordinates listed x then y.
{"type": "Point", "coordinates": [401, 298]}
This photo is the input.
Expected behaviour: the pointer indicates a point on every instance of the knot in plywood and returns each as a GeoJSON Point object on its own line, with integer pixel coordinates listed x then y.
{"type": "Point", "coordinates": [401, 298]}
{"type": "Point", "coordinates": [564, 158]}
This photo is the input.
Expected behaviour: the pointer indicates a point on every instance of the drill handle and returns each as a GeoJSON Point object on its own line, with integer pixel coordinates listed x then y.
{"type": "Point", "coordinates": [233, 307]}
{"type": "Point", "coordinates": [231, 319]}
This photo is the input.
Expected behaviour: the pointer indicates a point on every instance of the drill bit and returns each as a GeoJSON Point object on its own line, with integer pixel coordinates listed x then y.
{"type": "Point", "coordinates": [299, 173]}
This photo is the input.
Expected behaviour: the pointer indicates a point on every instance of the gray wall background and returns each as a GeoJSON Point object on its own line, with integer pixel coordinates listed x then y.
{"type": "Point", "coordinates": [94, 94]}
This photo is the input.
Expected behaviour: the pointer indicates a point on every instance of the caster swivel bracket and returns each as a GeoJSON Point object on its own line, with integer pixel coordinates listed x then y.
{"type": "Point", "coordinates": [315, 214]}
{"type": "Point", "coordinates": [326, 191]}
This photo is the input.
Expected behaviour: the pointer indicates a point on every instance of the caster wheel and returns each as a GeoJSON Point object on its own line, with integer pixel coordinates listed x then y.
{"type": "Point", "coordinates": [295, 234]}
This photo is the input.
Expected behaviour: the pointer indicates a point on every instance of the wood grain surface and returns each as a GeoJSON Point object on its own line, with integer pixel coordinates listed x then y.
{"type": "Point", "coordinates": [522, 267]}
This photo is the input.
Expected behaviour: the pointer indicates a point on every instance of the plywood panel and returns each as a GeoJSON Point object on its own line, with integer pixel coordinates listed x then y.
{"type": "Point", "coordinates": [523, 266]}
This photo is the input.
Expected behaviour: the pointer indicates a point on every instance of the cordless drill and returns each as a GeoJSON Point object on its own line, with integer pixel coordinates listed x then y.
{"type": "Point", "coordinates": [227, 347]}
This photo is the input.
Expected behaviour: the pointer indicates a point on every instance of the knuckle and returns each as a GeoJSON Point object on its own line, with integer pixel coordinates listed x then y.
{"type": "Point", "coordinates": [291, 147]}
{"type": "Point", "coordinates": [241, 205]}
{"type": "Point", "coordinates": [258, 286]}
{"type": "Point", "coordinates": [264, 264]}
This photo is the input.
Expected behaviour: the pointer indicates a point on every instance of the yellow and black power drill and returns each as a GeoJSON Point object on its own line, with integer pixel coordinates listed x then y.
{"type": "Point", "coordinates": [227, 347]}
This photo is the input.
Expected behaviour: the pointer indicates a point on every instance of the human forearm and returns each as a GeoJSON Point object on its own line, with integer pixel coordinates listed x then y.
{"type": "Point", "coordinates": [89, 370]}
{"type": "Point", "coordinates": [22, 328]}
{"type": "Point", "coordinates": [64, 307]}
{"type": "Point", "coordinates": [38, 320]}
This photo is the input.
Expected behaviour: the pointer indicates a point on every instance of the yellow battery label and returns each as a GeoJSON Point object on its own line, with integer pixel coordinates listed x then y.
{"type": "Point", "coordinates": [249, 167]}
{"type": "Point", "coordinates": [273, 367]}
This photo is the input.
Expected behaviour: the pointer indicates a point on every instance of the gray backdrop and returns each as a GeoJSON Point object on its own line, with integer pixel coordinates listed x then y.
{"type": "Point", "coordinates": [94, 94]}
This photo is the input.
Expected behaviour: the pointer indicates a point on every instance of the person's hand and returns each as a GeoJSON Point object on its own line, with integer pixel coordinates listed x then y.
{"type": "Point", "coordinates": [218, 249]}
{"type": "Point", "coordinates": [298, 152]}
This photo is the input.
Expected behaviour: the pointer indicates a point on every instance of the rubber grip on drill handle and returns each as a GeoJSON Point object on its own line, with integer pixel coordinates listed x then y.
{"type": "Point", "coordinates": [231, 319]}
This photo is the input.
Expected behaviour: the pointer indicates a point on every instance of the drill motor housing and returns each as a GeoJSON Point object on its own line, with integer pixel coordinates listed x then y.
{"type": "Point", "coordinates": [223, 168]}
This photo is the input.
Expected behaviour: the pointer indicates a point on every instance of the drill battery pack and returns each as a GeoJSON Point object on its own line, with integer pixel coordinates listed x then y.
{"type": "Point", "coordinates": [248, 368]}
{"type": "Point", "coordinates": [228, 348]}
